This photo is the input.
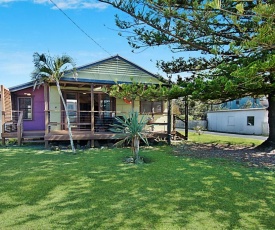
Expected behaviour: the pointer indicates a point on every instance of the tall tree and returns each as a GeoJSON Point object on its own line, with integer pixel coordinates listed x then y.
{"type": "Point", "coordinates": [49, 69]}
{"type": "Point", "coordinates": [235, 40]}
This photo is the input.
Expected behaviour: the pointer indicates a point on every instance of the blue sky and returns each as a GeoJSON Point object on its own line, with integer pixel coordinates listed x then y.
{"type": "Point", "coordinates": [28, 26]}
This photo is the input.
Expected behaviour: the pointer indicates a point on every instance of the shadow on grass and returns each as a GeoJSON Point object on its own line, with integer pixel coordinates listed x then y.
{"type": "Point", "coordinates": [96, 190]}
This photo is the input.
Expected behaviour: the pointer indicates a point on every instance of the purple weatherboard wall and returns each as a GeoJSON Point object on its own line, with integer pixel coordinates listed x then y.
{"type": "Point", "coordinates": [38, 105]}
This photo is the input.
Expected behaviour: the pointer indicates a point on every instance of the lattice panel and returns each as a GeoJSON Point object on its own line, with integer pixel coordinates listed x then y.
{"type": "Point", "coordinates": [7, 105]}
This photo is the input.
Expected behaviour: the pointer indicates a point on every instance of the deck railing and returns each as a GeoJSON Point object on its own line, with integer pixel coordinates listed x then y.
{"type": "Point", "coordinates": [11, 119]}
{"type": "Point", "coordinates": [97, 121]}
{"type": "Point", "coordinates": [13, 126]}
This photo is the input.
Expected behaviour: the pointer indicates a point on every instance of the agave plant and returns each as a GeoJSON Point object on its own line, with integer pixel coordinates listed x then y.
{"type": "Point", "coordinates": [134, 129]}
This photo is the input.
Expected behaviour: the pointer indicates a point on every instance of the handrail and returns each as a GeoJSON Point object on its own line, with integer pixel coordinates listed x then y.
{"type": "Point", "coordinates": [20, 128]}
{"type": "Point", "coordinates": [85, 111]}
{"type": "Point", "coordinates": [86, 120]}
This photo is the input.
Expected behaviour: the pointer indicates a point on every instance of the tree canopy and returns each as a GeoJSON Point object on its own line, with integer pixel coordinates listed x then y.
{"type": "Point", "coordinates": [230, 35]}
{"type": "Point", "coordinates": [235, 40]}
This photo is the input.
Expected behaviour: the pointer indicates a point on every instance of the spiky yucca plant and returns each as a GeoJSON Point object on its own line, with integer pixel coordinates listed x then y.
{"type": "Point", "coordinates": [134, 129]}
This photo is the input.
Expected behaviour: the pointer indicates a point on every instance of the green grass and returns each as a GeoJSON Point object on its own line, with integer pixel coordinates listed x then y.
{"type": "Point", "coordinates": [223, 140]}
{"type": "Point", "coordinates": [94, 189]}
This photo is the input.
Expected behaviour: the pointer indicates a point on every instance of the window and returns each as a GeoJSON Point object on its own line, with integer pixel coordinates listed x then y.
{"type": "Point", "coordinates": [237, 101]}
{"type": "Point", "coordinates": [250, 120]}
{"type": "Point", "coordinates": [151, 106]}
{"type": "Point", "coordinates": [25, 105]}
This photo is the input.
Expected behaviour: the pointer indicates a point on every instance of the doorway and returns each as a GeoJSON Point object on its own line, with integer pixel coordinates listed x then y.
{"type": "Point", "coordinates": [79, 107]}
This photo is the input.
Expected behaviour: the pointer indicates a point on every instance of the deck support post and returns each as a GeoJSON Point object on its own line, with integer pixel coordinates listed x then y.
{"type": "Point", "coordinates": [3, 113]}
{"type": "Point", "coordinates": [186, 117]}
{"type": "Point", "coordinates": [46, 106]}
{"type": "Point", "coordinates": [169, 115]}
{"type": "Point", "coordinates": [92, 115]}
{"type": "Point", "coordinates": [169, 123]}
{"type": "Point", "coordinates": [3, 141]}
{"type": "Point", "coordinates": [19, 135]}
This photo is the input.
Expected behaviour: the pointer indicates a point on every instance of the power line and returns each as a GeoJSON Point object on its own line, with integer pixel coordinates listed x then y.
{"type": "Point", "coordinates": [80, 28]}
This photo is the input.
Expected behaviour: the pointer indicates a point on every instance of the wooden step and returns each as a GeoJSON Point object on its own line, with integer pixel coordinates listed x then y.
{"type": "Point", "coordinates": [32, 141]}
{"type": "Point", "coordinates": [36, 136]}
{"type": "Point", "coordinates": [33, 134]}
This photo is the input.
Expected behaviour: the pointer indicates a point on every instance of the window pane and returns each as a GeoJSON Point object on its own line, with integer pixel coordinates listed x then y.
{"type": "Point", "coordinates": [25, 105]}
{"type": "Point", "coordinates": [250, 120]}
{"type": "Point", "coordinates": [157, 107]}
{"type": "Point", "coordinates": [151, 107]}
{"type": "Point", "coordinates": [72, 109]}
{"type": "Point", "coordinates": [145, 107]}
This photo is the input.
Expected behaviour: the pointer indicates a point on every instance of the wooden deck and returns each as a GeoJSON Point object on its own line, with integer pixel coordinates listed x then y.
{"type": "Point", "coordinates": [62, 135]}
{"type": "Point", "coordinates": [38, 133]}
{"type": "Point", "coordinates": [9, 135]}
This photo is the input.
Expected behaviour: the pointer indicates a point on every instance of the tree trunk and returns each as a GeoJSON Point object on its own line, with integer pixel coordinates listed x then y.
{"type": "Point", "coordinates": [135, 142]}
{"type": "Point", "coordinates": [270, 142]}
{"type": "Point", "coordinates": [271, 119]}
{"type": "Point", "coordinates": [67, 116]}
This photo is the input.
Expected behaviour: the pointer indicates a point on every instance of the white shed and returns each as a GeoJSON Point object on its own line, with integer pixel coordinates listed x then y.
{"type": "Point", "coordinates": [243, 121]}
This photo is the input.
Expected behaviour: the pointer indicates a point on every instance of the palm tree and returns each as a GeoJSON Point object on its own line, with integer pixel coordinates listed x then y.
{"type": "Point", "coordinates": [134, 130]}
{"type": "Point", "coordinates": [49, 69]}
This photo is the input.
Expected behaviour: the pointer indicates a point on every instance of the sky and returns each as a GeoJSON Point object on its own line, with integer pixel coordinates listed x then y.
{"type": "Point", "coordinates": [28, 26]}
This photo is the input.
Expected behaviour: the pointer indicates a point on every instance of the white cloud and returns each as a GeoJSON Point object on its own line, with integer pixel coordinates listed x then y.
{"type": "Point", "coordinates": [64, 4]}
{"type": "Point", "coordinates": [74, 4]}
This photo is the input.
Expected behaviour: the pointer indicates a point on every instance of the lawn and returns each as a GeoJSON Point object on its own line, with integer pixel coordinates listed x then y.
{"type": "Point", "coordinates": [94, 189]}
{"type": "Point", "coordinates": [224, 140]}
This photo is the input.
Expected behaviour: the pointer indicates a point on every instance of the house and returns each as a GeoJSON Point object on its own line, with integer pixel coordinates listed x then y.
{"type": "Point", "coordinates": [91, 111]}
{"type": "Point", "coordinates": [243, 121]}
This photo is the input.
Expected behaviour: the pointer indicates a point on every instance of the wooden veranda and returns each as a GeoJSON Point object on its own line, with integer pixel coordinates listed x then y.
{"type": "Point", "coordinates": [80, 130]}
